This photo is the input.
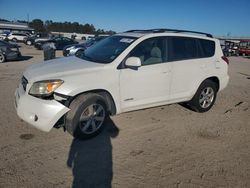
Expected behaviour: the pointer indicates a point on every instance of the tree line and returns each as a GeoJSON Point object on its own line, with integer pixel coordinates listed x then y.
{"type": "Point", "coordinates": [67, 27]}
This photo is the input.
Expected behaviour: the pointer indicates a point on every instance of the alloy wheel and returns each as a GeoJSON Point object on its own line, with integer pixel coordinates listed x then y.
{"type": "Point", "coordinates": [92, 118]}
{"type": "Point", "coordinates": [1, 58]}
{"type": "Point", "coordinates": [206, 97]}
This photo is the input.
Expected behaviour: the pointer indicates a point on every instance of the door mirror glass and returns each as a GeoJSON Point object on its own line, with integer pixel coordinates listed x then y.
{"type": "Point", "coordinates": [133, 62]}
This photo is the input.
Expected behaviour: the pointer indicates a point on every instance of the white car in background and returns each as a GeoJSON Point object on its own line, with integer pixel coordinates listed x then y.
{"type": "Point", "coordinates": [127, 71]}
{"type": "Point", "coordinates": [3, 36]}
{"type": "Point", "coordinates": [15, 37]}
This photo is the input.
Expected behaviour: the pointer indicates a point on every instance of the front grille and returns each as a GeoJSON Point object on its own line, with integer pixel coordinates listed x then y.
{"type": "Point", "coordinates": [24, 82]}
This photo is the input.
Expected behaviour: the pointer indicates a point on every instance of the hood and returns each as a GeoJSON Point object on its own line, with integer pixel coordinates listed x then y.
{"type": "Point", "coordinates": [60, 67]}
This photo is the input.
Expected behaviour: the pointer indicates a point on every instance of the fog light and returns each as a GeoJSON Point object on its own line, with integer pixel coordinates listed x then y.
{"type": "Point", "coordinates": [34, 117]}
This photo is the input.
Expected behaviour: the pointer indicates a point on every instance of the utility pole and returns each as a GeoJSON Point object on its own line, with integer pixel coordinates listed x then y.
{"type": "Point", "coordinates": [28, 18]}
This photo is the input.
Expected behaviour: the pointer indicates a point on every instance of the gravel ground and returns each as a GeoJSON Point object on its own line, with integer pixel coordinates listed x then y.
{"type": "Point", "coordinates": [168, 146]}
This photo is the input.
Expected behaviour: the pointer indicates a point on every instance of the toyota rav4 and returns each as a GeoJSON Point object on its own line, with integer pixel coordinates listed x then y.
{"type": "Point", "coordinates": [128, 71]}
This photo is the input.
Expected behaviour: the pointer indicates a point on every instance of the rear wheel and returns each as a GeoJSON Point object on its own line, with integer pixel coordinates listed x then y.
{"type": "Point", "coordinates": [87, 116]}
{"type": "Point", "coordinates": [205, 96]}
{"type": "Point", "coordinates": [2, 57]}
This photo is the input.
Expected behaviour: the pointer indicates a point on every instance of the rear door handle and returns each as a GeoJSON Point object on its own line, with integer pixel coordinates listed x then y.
{"type": "Point", "coordinates": [203, 66]}
{"type": "Point", "coordinates": [166, 72]}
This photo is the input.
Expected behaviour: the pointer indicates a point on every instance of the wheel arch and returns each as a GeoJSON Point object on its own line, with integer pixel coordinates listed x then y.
{"type": "Point", "coordinates": [109, 100]}
{"type": "Point", "coordinates": [215, 80]}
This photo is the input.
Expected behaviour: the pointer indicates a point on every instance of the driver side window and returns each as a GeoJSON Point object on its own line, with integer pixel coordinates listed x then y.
{"type": "Point", "coordinates": [150, 51]}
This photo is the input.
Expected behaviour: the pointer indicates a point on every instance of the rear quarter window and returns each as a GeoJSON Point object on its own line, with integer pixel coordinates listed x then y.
{"type": "Point", "coordinates": [207, 48]}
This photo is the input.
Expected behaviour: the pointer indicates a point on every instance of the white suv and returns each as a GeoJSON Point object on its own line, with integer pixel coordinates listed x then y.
{"type": "Point", "coordinates": [17, 37]}
{"type": "Point", "coordinates": [128, 71]}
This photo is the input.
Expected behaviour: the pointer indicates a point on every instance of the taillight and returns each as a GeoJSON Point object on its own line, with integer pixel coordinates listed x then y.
{"type": "Point", "coordinates": [225, 59]}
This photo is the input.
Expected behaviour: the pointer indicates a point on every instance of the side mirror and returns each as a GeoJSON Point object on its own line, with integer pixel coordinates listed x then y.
{"type": "Point", "coordinates": [133, 62]}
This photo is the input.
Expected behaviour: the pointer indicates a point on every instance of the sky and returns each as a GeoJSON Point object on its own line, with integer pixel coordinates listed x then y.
{"type": "Point", "coordinates": [218, 17]}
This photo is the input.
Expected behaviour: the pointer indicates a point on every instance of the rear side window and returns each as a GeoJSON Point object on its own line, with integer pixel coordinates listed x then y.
{"type": "Point", "coordinates": [207, 48]}
{"type": "Point", "coordinates": [182, 48]}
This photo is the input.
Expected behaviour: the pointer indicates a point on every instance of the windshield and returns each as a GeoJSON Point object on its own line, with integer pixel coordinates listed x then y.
{"type": "Point", "coordinates": [106, 50]}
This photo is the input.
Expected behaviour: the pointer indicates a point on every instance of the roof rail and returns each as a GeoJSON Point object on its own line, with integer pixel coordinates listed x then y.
{"type": "Point", "coordinates": [168, 30]}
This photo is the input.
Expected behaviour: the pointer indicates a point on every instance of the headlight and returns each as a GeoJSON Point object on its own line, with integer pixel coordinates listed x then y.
{"type": "Point", "coordinates": [45, 88]}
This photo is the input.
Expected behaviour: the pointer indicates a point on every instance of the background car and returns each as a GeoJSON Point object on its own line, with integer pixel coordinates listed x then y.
{"type": "Point", "coordinates": [8, 51]}
{"type": "Point", "coordinates": [244, 48]}
{"type": "Point", "coordinates": [37, 37]}
{"type": "Point", "coordinates": [60, 42]}
{"type": "Point", "coordinates": [3, 36]}
{"type": "Point", "coordinates": [77, 49]}
{"type": "Point", "coordinates": [15, 37]}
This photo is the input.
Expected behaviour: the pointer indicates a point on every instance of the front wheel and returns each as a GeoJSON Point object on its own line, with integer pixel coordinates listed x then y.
{"type": "Point", "coordinates": [79, 53]}
{"type": "Point", "coordinates": [87, 116]}
{"type": "Point", "coordinates": [205, 96]}
{"type": "Point", "coordinates": [2, 58]}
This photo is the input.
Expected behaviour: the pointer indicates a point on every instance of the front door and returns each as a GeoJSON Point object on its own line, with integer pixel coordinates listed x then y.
{"type": "Point", "coordinates": [148, 85]}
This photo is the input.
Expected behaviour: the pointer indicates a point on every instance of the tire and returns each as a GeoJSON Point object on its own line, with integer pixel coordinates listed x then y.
{"type": "Point", "coordinates": [91, 109]}
{"type": "Point", "coordinates": [204, 97]}
{"type": "Point", "coordinates": [28, 42]}
{"type": "Point", "coordinates": [79, 53]}
{"type": "Point", "coordinates": [2, 58]}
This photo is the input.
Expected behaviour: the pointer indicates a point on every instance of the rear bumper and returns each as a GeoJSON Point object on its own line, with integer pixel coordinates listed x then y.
{"type": "Point", "coordinates": [38, 46]}
{"type": "Point", "coordinates": [42, 114]}
{"type": "Point", "coordinates": [224, 82]}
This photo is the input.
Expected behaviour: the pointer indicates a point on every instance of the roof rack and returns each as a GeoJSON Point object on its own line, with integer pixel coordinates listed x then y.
{"type": "Point", "coordinates": [168, 30]}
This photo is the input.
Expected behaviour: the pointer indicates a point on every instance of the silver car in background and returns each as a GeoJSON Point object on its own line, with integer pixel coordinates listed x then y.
{"type": "Point", "coordinates": [78, 49]}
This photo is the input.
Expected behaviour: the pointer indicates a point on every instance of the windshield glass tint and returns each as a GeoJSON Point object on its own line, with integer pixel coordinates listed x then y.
{"type": "Point", "coordinates": [106, 50]}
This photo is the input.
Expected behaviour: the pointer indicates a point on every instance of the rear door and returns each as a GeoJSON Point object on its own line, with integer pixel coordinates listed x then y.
{"type": "Point", "coordinates": [189, 64]}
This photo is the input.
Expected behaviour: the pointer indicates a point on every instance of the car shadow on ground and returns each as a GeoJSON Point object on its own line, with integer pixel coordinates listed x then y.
{"type": "Point", "coordinates": [24, 58]}
{"type": "Point", "coordinates": [185, 105]}
{"type": "Point", "coordinates": [91, 160]}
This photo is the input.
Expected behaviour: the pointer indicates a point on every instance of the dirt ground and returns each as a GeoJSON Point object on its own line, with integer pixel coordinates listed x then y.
{"type": "Point", "coordinates": [168, 146]}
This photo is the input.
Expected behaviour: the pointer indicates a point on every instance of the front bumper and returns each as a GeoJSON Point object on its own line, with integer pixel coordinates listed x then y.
{"type": "Point", "coordinates": [13, 55]}
{"type": "Point", "coordinates": [65, 53]}
{"type": "Point", "coordinates": [42, 114]}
